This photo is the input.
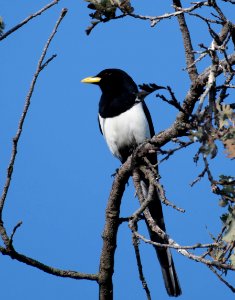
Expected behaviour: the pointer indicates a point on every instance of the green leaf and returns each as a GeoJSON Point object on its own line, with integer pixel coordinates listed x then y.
{"type": "Point", "coordinates": [232, 259]}
{"type": "Point", "coordinates": [225, 114]}
{"type": "Point", "coordinates": [229, 235]}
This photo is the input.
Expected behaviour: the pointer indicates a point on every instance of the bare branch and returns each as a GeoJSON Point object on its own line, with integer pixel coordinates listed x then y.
{"type": "Point", "coordinates": [173, 101]}
{"type": "Point", "coordinates": [154, 20]}
{"type": "Point", "coordinates": [181, 125]}
{"type": "Point", "coordinates": [140, 267]}
{"type": "Point", "coordinates": [161, 192]}
{"type": "Point", "coordinates": [9, 249]}
{"type": "Point", "coordinates": [40, 67]}
{"type": "Point", "coordinates": [14, 231]}
{"type": "Point", "coordinates": [170, 152]}
{"type": "Point", "coordinates": [110, 232]}
{"type": "Point", "coordinates": [175, 245]}
{"type": "Point", "coordinates": [25, 21]}
{"type": "Point", "coordinates": [48, 61]}
{"type": "Point", "coordinates": [189, 53]}
{"type": "Point", "coordinates": [203, 87]}
{"type": "Point", "coordinates": [230, 1]}
{"type": "Point", "coordinates": [218, 10]}
{"type": "Point", "coordinates": [45, 268]}
{"type": "Point", "coordinates": [199, 177]}
{"type": "Point", "coordinates": [180, 249]}
{"type": "Point", "coordinates": [222, 279]}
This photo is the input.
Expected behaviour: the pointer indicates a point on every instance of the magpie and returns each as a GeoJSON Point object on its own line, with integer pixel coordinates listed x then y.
{"type": "Point", "coordinates": [125, 122]}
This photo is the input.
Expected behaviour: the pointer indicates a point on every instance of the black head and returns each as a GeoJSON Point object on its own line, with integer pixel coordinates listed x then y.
{"type": "Point", "coordinates": [116, 82]}
{"type": "Point", "coordinates": [118, 91]}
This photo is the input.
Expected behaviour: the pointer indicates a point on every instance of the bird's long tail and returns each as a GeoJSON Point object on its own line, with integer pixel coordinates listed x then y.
{"type": "Point", "coordinates": [164, 254]}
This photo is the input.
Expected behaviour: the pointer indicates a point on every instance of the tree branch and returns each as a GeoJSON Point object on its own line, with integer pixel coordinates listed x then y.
{"type": "Point", "coordinates": [110, 232]}
{"type": "Point", "coordinates": [45, 268]}
{"type": "Point", "coordinates": [8, 241]}
{"type": "Point", "coordinates": [140, 267]}
{"type": "Point", "coordinates": [188, 48]}
{"type": "Point", "coordinates": [154, 20]}
{"type": "Point", "coordinates": [222, 279]}
{"type": "Point", "coordinates": [16, 139]}
{"type": "Point", "coordinates": [25, 21]}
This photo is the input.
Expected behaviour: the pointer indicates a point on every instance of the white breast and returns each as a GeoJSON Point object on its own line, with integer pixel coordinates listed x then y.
{"type": "Point", "coordinates": [130, 127]}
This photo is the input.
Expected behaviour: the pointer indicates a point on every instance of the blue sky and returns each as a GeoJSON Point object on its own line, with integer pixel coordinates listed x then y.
{"type": "Point", "coordinates": [62, 175]}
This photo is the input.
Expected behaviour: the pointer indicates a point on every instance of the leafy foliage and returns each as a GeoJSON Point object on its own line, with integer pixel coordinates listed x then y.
{"type": "Point", "coordinates": [105, 10]}
{"type": "Point", "coordinates": [226, 119]}
{"type": "Point", "coordinates": [228, 189]}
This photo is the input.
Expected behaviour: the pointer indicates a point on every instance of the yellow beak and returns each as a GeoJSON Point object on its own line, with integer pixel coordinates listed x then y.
{"type": "Point", "coordinates": [91, 80]}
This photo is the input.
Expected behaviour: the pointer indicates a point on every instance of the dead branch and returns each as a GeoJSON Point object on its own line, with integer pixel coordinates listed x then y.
{"type": "Point", "coordinates": [40, 67]}
{"type": "Point", "coordinates": [45, 268]}
{"type": "Point", "coordinates": [188, 48]}
{"type": "Point", "coordinates": [25, 21]}
{"type": "Point", "coordinates": [110, 232]}
{"type": "Point", "coordinates": [140, 267]}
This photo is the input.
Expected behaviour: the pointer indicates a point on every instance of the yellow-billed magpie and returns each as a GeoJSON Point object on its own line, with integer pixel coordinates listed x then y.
{"type": "Point", "coordinates": [125, 122]}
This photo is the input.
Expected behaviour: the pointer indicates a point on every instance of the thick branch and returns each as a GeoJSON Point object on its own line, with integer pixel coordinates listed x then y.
{"type": "Point", "coordinates": [110, 233]}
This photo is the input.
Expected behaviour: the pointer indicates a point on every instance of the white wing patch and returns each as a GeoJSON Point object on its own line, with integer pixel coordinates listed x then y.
{"type": "Point", "coordinates": [124, 130]}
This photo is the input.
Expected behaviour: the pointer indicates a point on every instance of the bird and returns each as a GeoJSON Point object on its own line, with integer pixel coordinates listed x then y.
{"type": "Point", "coordinates": [125, 122]}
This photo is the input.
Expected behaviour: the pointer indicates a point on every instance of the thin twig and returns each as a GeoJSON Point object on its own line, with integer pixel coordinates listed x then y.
{"type": "Point", "coordinates": [40, 67]}
{"type": "Point", "coordinates": [9, 249]}
{"type": "Point", "coordinates": [222, 279]}
{"type": "Point", "coordinates": [172, 151]}
{"type": "Point", "coordinates": [174, 245]}
{"type": "Point", "coordinates": [28, 19]}
{"type": "Point", "coordinates": [50, 270]}
{"type": "Point", "coordinates": [203, 54]}
{"type": "Point", "coordinates": [207, 20]}
{"type": "Point", "coordinates": [230, 1]}
{"type": "Point", "coordinates": [152, 179]}
{"type": "Point", "coordinates": [173, 101]}
{"type": "Point", "coordinates": [143, 206]}
{"type": "Point", "coordinates": [211, 78]}
{"type": "Point", "coordinates": [154, 227]}
{"type": "Point", "coordinates": [140, 267]}
{"type": "Point", "coordinates": [48, 61]}
{"type": "Point", "coordinates": [188, 48]}
{"type": "Point", "coordinates": [14, 231]}
{"type": "Point", "coordinates": [199, 177]}
{"type": "Point", "coordinates": [218, 10]}
{"type": "Point", "coordinates": [154, 20]}
{"type": "Point", "coordinates": [209, 174]}
{"type": "Point", "coordinates": [224, 88]}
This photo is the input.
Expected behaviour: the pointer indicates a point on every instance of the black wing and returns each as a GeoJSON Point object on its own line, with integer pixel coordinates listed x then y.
{"type": "Point", "coordinates": [100, 126]}
{"type": "Point", "coordinates": [149, 119]}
